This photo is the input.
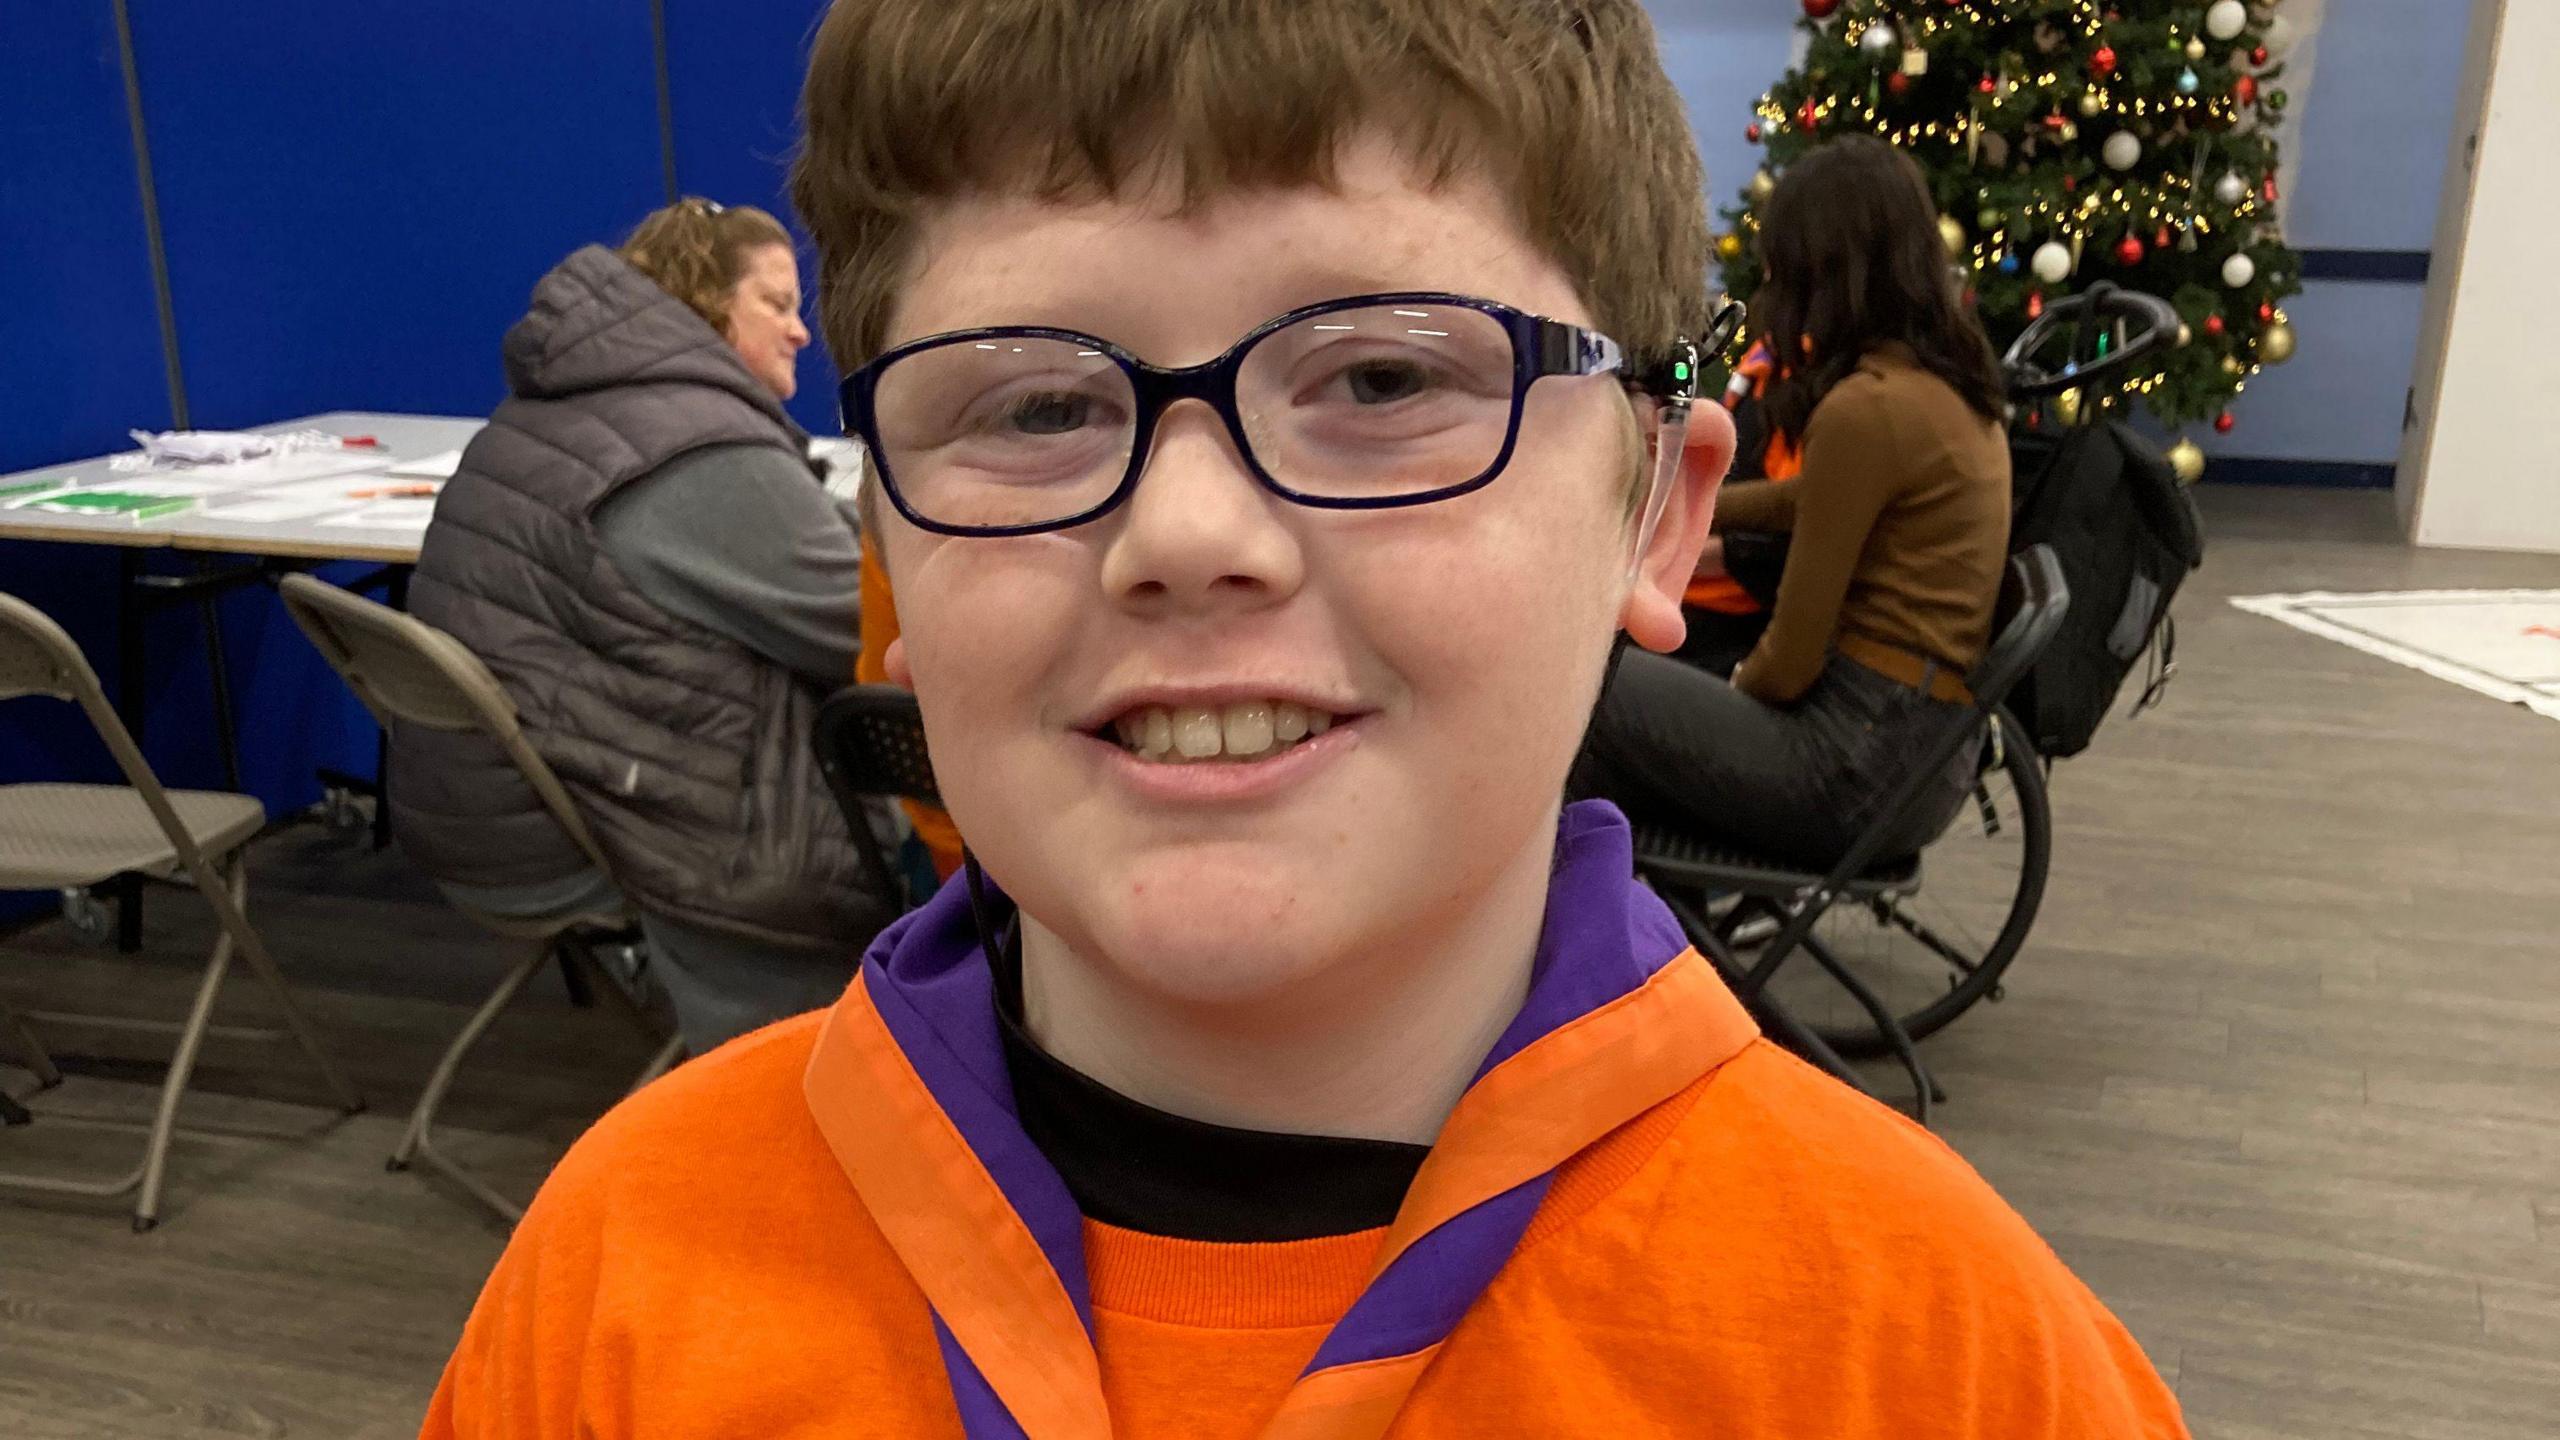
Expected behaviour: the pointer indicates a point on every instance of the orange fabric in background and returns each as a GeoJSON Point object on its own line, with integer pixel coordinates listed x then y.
{"type": "Point", "coordinates": [1764, 1255]}
{"type": "Point", "coordinates": [1780, 461]}
{"type": "Point", "coordinates": [880, 626]}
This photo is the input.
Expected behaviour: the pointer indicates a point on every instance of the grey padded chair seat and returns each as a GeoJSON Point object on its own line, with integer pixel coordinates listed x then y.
{"type": "Point", "coordinates": [62, 835]}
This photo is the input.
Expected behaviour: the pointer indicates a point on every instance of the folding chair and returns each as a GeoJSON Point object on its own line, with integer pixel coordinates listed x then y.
{"type": "Point", "coordinates": [1682, 866]}
{"type": "Point", "coordinates": [61, 836]}
{"type": "Point", "coordinates": [408, 672]}
{"type": "Point", "coordinates": [870, 744]}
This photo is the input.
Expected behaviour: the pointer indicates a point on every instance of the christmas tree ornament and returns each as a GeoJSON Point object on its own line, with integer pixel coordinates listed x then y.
{"type": "Point", "coordinates": [2129, 251]}
{"type": "Point", "coordinates": [2052, 262]}
{"type": "Point", "coordinates": [1763, 185]}
{"type": "Point", "coordinates": [1820, 9]}
{"type": "Point", "coordinates": [2258, 57]}
{"type": "Point", "coordinates": [2195, 51]}
{"type": "Point", "coordinates": [2069, 134]}
{"type": "Point", "coordinates": [2102, 62]}
{"type": "Point", "coordinates": [2122, 151]}
{"type": "Point", "coordinates": [2276, 346]}
{"type": "Point", "coordinates": [2223, 422]}
{"type": "Point", "coordinates": [2186, 461]}
{"type": "Point", "coordinates": [2035, 304]}
{"type": "Point", "coordinates": [2214, 325]}
{"type": "Point", "coordinates": [1877, 39]}
{"type": "Point", "coordinates": [1915, 61]}
{"type": "Point", "coordinates": [2232, 367]}
{"type": "Point", "coordinates": [1728, 245]}
{"type": "Point", "coordinates": [2066, 408]}
{"type": "Point", "coordinates": [2244, 91]}
{"type": "Point", "coordinates": [2266, 312]}
{"type": "Point", "coordinates": [1898, 85]}
{"type": "Point", "coordinates": [2186, 335]}
{"type": "Point", "coordinates": [2222, 20]}
{"type": "Point", "coordinates": [1951, 234]}
{"type": "Point", "coordinates": [2269, 190]}
{"type": "Point", "coordinates": [2188, 84]}
{"type": "Point", "coordinates": [2276, 101]}
{"type": "Point", "coordinates": [1988, 86]}
{"type": "Point", "coordinates": [2230, 189]}
{"type": "Point", "coordinates": [1808, 116]}
{"type": "Point", "coordinates": [2239, 270]}
{"type": "Point", "coordinates": [2010, 264]}
{"type": "Point", "coordinates": [2161, 240]}
{"type": "Point", "coordinates": [1986, 219]}
{"type": "Point", "coordinates": [1751, 132]}
{"type": "Point", "coordinates": [2092, 105]}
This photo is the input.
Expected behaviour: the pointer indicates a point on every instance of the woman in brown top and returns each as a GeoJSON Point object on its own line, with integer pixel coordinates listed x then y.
{"type": "Point", "coordinates": [1900, 520]}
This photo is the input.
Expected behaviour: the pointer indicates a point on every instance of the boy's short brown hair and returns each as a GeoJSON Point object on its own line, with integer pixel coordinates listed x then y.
{"type": "Point", "coordinates": [1563, 102]}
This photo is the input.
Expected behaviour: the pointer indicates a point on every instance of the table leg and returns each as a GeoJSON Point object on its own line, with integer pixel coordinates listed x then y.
{"type": "Point", "coordinates": [218, 668]}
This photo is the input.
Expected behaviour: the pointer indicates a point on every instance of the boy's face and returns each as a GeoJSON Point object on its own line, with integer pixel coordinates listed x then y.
{"type": "Point", "coordinates": [1457, 645]}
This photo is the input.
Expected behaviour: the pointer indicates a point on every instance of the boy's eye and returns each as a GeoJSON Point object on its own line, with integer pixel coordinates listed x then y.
{"type": "Point", "coordinates": [1052, 413]}
{"type": "Point", "coordinates": [1378, 382]}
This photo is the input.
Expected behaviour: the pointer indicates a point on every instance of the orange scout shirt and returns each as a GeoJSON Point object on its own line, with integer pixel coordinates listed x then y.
{"type": "Point", "coordinates": [880, 626]}
{"type": "Point", "coordinates": [1766, 1254]}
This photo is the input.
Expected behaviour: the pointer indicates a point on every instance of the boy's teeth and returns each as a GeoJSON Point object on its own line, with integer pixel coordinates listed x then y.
{"type": "Point", "coordinates": [1248, 728]}
{"type": "Point", "coordinates": [1196, 732]}
{"type": "Point", "coordinates": [1245, 730]}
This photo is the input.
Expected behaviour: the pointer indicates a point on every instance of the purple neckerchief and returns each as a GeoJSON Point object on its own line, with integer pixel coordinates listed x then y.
{"type": "Point", "coordinates": [1604, 936]}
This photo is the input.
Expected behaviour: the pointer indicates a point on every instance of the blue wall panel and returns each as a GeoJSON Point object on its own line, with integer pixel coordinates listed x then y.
{"type": "Point", "coordinates": [358, 198]}
{"type": "Point", "coordinates": [734, 73]}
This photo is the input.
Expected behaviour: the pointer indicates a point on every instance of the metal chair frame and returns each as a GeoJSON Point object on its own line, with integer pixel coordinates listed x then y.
{"type": "Point", "coordinates": [1679, 865]}
{"type": "Point", "coordinates": [409, 672]}
{"type": "Point", "coordinates": [38, 659]}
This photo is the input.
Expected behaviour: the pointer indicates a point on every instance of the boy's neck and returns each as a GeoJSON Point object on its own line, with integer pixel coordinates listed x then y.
{"type": "Point", "coordinates": [1375, 1047]}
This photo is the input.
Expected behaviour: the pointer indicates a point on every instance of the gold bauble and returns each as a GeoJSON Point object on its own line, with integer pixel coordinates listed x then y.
{"type": "Point", "coordinates": [1951, 233]}
{"type": "Point", "coordinates": [2186, 460]}
{"type": "Point", "coordinates": [2070, 133]}
{"type": "Point", "coordinates": [1763, 185]}
{"type": "Point", "coordinates": [2276, 346]}
{"type": "Point", "coordinates": [2195, 48]}
{"type": "Point", "coordinates": [2066, 408]}
{"type": "Point", "coordinates": [2231, 365]}
{"type": "Point", "coordinates": [2186, 335]}
{"type": "Point", "coordinates": [1728, 246]}
{"type": "Point", "coordinates": [2090, 105]}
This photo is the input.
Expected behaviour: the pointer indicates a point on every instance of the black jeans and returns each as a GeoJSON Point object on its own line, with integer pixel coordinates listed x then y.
{"type": "Point", "coordinates": [1673, 744]}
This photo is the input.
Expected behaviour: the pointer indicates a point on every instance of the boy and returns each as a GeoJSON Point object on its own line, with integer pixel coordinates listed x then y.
{"type": "Point", "coordinates": [1282, 408]}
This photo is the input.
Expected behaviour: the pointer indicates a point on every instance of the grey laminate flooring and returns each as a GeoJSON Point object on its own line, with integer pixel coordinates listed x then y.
{"type": "Point", "coordinates": [2279, 1072]}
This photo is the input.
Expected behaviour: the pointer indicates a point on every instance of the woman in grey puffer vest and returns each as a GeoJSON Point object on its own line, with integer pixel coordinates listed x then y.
{"type": "Point", "coordinates": [640, 548]}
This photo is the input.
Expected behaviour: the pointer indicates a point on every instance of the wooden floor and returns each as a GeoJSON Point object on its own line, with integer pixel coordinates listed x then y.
{"type": "Point", "coordinates": [2279, 1072]}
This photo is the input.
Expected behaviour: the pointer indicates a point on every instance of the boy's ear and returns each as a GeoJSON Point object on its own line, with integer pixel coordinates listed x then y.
{"type": "Point", "coordinates": [1652, 615]}
{"type": "Point", "coordinates": [894, 667]}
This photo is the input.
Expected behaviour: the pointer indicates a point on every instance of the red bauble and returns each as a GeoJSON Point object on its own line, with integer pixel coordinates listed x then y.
{"type": "Point", "coordinates": [2258, 57]}
{"type": "Point", "coordinates": [2070, 183]}
{"type": "Point", "coordinates": [1751, 132]}
{"type": "Point", "coordinates": [2223, 422]}
{"type": "Point", "coordinates": [2213, 325]}
{"type": "Point", "coordinates": [2266, 312]}
{"type": "Point", "coordinates": [2035, 303]}
{"type": "Point", "coordinates": [1808, 119]}
{"type": "Point", "coordinates": [1988, 86]}
{"type": "Point", "coordinates": [2245, 90]}
{"type": "Point", "coordinates": [1897, 84]}
{"type": "Point", "coordinates": [2270, 190]}
{"type": "Point", "coordinates": [2103, 63]}
{"type": "Point", "coordinates": [2161, 240]}
{"type": "Point", "coordinates": [2129, 250]}
{"type": "Point", "coordinates": [1821, 9]}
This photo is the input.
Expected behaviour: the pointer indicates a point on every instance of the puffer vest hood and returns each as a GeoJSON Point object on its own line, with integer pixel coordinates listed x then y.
{"type": "Point", "coordinates": [686, 753]}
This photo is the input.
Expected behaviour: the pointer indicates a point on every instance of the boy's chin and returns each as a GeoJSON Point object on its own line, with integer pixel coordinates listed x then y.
{"type": "Point", "coordinates": [1198, 943]}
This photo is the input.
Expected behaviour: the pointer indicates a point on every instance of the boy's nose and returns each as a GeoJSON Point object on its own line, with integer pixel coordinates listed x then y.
{"type": "Point", "coordinates": [1200, 533]}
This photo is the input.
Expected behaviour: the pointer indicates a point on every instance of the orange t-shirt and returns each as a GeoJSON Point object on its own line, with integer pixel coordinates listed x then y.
{"type": "Point", "coordinates": [1780, 461]}
{"type": "Point", "coordinates": [1766, 1254]}
{"type": "Point", "coordinates": [880, 626]}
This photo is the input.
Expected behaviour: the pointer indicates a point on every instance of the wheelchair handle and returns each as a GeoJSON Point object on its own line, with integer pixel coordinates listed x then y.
{"type": "Point", "coordinates": [2151, 322]}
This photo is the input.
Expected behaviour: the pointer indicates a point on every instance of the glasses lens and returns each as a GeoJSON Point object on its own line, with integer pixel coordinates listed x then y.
{"type": "Point", "coordinates": [1014, 430]}
{"type": "Point", "coordinates": [1380, 401]}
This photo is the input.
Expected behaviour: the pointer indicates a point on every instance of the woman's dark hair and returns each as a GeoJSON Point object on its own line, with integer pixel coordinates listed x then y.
{"type": "Point", "coordinates": [1850, 242]}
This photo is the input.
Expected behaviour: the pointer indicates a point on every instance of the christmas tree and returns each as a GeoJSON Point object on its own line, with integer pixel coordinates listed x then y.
{"type": "Point", "coordinates": [2067, 142]}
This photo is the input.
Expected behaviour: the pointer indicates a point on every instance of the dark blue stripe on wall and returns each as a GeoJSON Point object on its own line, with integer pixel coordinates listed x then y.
{"type": "Point", "coordinates": [2401, 267]}
{"type": "Point", "coordinates": [2315, 474]}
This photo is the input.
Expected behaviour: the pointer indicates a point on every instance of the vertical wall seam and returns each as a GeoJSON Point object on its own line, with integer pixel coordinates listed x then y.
{"type": "Point", "coordinates": [666, 97]}
{"type": "Point", "coordinates": [161, 294]}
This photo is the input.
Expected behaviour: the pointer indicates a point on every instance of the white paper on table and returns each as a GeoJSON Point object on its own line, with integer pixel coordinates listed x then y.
{"type": "Point", "coordinates": [274, 509]}
{"type": "Point", "coordinates": [266, 470]}
{"type": "Point", "coordinates": [439, 466]}
{"type": "Point", "coordinates": [388, 515]}
{"type": "Point", "coordinates": [183, 485]}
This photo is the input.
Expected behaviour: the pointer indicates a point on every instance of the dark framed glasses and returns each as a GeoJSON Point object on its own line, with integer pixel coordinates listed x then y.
{"type": "Point", "coordinates": [1369, 402]}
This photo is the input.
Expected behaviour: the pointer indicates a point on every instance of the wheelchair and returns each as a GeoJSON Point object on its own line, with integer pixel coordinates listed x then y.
{"type": "Point", "coordinates": [1890, 949]}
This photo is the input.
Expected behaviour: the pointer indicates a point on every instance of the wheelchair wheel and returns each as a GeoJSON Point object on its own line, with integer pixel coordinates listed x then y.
{"type": "Point", "coordinates": [1930, 949]}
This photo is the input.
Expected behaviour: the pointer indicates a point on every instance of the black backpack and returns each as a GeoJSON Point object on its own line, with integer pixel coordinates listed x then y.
{"type": "Point", "coordinates": [2127, 534]}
